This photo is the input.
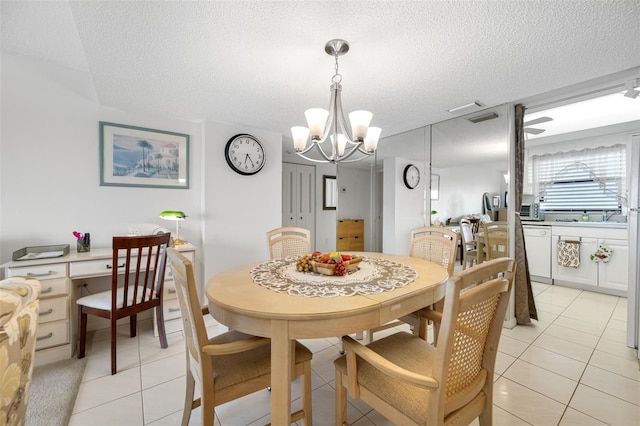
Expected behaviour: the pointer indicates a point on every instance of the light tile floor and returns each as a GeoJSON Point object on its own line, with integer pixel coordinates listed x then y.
{"type": "Point", "coordinates": [569, 368]}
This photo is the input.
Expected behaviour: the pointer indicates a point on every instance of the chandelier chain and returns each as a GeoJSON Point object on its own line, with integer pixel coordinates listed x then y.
{"type": "Point", "coordinates": [337, 78]}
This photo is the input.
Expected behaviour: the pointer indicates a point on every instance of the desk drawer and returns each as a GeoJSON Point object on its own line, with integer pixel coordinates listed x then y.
{"type": "Point", "coordinates": [52, 334]}
{"type": "Point", "coordinates": [96, 268]}
{"type": "Point", "coordinates": [55, 287]}
{"type": "Point", "coordinates": [171, 309]}
{"type": "Point", "coordinates": [53, 309]}
{"type": "Point", "coordinates": [39, 272]}
{"type": "Point", "coordinates": [169, 290]}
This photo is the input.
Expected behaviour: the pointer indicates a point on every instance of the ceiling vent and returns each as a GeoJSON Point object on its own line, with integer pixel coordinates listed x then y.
{"type": "Point", "coordinates": [484, 117]}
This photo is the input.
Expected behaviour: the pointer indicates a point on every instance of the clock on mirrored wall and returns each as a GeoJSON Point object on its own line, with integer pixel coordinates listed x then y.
{"type": "Point", "coordinates": [244, 154]}
{"type": "Point", "coordinates": [411, 176]}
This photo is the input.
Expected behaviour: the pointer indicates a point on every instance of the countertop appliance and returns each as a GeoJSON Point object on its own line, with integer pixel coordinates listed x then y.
{"type": "Point", "coordinates": [531, 211]}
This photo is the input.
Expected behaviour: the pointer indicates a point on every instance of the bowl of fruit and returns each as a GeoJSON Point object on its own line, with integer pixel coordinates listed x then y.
{"type": "Point", "coordinates": [332, 263]}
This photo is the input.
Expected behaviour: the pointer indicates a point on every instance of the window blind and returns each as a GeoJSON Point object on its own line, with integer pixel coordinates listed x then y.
{"type": "Point", "coordinates": [589, 179]}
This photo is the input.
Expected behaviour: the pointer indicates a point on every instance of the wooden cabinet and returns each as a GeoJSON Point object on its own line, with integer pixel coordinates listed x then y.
{"type": "Point", "coordinates": [350, 235]}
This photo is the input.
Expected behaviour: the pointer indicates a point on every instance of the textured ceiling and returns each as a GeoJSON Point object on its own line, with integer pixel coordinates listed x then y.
{"type": "Point", "coordinates": [262, 63]}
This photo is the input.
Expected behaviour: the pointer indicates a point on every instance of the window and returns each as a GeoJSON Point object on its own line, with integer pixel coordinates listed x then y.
{"type": "Point", "coordinates": [589, 179]}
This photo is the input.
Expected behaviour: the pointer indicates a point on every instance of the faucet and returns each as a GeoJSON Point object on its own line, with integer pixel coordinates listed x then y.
{"type": "Point", "coordinates": [607, 215]}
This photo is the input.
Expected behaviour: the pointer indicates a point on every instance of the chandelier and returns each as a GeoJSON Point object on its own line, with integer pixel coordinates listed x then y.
{"type": "Point", "coordinates": [323, 124]}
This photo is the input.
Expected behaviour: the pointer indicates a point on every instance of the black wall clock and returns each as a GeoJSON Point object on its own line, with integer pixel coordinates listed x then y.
{"type": "Point", "coordinates": [244, 154]}
{"type": "Point", "coordinates": [411, 176]}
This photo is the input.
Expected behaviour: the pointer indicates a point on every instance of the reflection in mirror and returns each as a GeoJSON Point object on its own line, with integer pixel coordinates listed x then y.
{"type": "Point", "coordinates": [355, 215]}
{"type": "Point", "coordinates": [329, 193]}
{"type": "Point", "coordinates": [400, 208]}
{"type": "Point", "coordinates": [471, 155]}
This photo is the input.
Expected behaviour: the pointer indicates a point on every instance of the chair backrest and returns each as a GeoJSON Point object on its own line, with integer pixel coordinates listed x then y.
{"type": "Point", "coordinates": [145, 258]}
{"type": "Point", "coordinates": [435, 244]}
{"type": "Point", "coordinates": [195, 331]}
{"type": "Point", "coordinates": [288, 241]}
{"type": "Point", "coordinates": [469, 335]}
{"type": "Point", "coordinates": [466, 233]}
{"type": "Point", "coordinates": [496, 239]}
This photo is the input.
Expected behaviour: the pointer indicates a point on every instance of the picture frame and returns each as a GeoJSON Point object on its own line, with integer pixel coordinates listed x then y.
{"type": "Point", "coordinates": [329, 192]}
{"type": "Point", "coordinates": [141, 157]}
{"type": "Point", "coordinates": [435, 187]}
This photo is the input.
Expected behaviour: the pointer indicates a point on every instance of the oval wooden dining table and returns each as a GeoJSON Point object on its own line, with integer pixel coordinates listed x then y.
{"type": "Point", "coordinates": [239, 303]}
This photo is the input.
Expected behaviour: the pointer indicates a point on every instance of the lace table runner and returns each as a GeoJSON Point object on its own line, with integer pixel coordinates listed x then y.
{"type": "Point", "coordinates": [373, 276]}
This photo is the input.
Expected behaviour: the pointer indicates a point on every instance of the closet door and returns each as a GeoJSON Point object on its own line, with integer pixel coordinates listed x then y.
{"type": "Point", "coordinates": [298, 196]}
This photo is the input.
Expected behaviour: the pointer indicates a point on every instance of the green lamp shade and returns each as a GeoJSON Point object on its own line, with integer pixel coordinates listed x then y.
{"type": "Point", "coordinates": [173, 215]}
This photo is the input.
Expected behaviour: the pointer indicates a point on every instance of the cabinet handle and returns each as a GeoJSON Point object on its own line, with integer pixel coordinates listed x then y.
{"type": "Point", "coordinates": [119, 266]}
{"type": "Point", "coordinates": [174, 309]}
{"type": "Point", "coordinates": [48, 336]}
{"type": "Point", "coordinates": [49, 290]}
{"type": "Point", "coordinates": [43, 274]}
{"type": "Point", "coordinates": [172, 291]}
{"type": "Point", "coordinates": [48, 312]}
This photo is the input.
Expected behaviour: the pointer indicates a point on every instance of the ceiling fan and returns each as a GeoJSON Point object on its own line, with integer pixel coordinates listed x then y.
{"type": "Point", "coordinates": [533, 130]}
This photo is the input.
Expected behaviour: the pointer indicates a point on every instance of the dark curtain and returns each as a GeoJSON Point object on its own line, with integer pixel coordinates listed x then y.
{"type": "Point", "coordinates": [525, 306]}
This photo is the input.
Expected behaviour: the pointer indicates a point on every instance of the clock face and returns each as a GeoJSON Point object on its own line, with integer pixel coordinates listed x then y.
{"type": "Point", "coordinates": [411, 176]}
{"type": "Point", "coordinates": [244, 154]}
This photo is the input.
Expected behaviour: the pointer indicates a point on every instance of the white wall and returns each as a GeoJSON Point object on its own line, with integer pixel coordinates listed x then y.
{"type": "Point", "coordinates": [50, 170]}
{"type": "Point", "coordinates": [50, 184]}
{"type": "Point", "coordinates": [326, 220]}
{"type": "Point", "coordinates": [238, 210]}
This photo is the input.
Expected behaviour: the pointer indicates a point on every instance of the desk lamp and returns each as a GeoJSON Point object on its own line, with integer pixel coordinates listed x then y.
{"type": "Point", "coordinates": [178, 216]}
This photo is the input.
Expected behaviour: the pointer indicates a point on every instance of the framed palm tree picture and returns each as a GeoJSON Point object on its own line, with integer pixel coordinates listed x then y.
{"type": "Point", "coordinates": [141, 157]}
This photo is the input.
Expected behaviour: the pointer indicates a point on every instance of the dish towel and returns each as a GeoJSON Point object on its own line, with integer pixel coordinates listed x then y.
{"type": "Point", "coordinates": [569, 253]}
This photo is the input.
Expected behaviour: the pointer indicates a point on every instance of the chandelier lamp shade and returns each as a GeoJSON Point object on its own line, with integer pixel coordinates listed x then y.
{"type": "Point", "coordinates": [328, 131]}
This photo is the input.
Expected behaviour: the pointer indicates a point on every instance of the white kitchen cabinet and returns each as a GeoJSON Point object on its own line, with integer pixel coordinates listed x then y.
{"type": "Point", "coordinates": [614, 274]}
{"type": "Point", "coordinates": [587, 272]}
{"type": "Point", "coordinates": [610, 277]}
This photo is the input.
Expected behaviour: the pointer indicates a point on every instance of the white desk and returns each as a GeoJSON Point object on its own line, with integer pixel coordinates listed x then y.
{"type": "Point", "coordinates": [57, 322]}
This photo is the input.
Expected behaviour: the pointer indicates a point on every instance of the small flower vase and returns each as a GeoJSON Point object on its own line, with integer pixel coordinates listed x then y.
{"type": "Point", "coordinates": [83, 247]}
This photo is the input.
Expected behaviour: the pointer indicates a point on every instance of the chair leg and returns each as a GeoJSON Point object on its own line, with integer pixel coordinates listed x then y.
{"type": "Point", "coordinates": [188, 398]}
{"type": "Point", "coordinates": [82, 321]}
{"type": "Point", "coordinates": [113, 345]}
{"type": "Point", "coordinates": [306, 394]}
{"type": "Point", "coordinates": [162, 334]}
{"type": "Point", "coordinates": [208, 409]}
{"type": "Point", "coordinates": [133, 325]}
{"type": "Point", "coordinates": [341, 400]}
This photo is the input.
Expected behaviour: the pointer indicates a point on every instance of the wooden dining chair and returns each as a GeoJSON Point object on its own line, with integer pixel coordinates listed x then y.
{"type": "Point", "coordinates": [496, 237]}
{"type": "Point", "coordinates": [411, 382]}
{"type": "Point", "coordinates": [230, 365]}
{"type": "Point", "coordinates": [288, 241]}
{"type": "Point", "coordinates": [437, 245]}
{"type": "Point", "coordinates": [144, 258]}
{"type": "Point", "coordinates": [469, 247]}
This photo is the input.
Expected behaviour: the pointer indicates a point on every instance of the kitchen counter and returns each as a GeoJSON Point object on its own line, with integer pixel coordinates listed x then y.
{"type": "Point", "coordinates": [616, 225]}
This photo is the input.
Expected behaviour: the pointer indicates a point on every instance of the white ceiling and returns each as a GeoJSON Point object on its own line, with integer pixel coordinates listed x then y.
{"type": "Point", "coordinates": [262, 63]}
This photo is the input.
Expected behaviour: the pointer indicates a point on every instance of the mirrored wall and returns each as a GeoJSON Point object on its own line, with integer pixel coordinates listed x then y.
{"type": "Point", "coordinates": [431, 175]}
